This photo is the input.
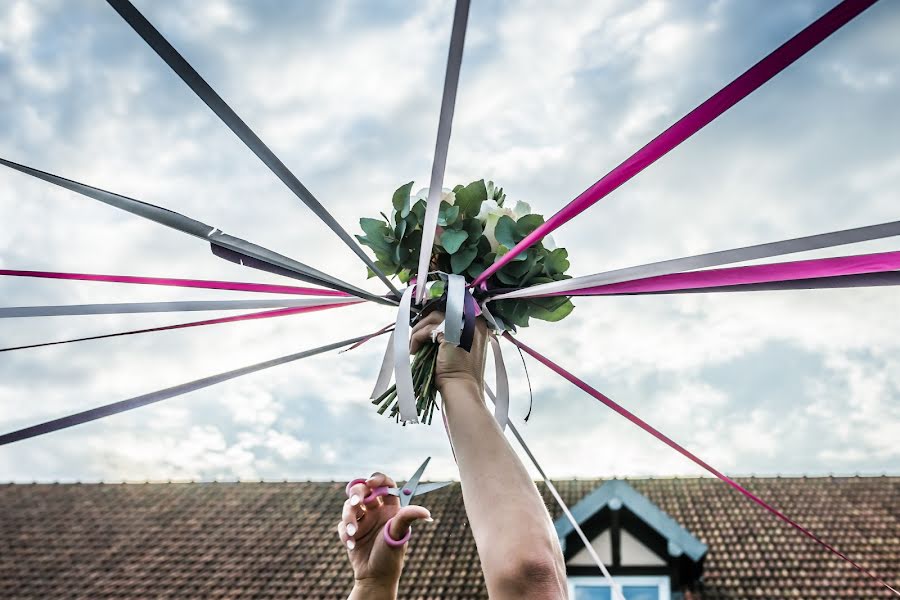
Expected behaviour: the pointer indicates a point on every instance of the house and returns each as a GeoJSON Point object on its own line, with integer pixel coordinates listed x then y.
{"type": "Point", "coordinates": [684, 538]}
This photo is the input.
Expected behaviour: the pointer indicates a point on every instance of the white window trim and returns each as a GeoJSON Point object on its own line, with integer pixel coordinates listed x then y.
{"type": "Point", "coordinates": [661, 581]}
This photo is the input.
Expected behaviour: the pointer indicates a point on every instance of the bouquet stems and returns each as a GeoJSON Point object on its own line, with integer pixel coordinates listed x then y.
{"type": "Point", "coordinates": [423, 371]}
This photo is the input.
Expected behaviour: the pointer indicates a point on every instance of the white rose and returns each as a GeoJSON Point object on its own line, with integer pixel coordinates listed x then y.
{"type": "Point", "coordinates": [447, 196]}
{"type": "Point", "coordinates": [490, 213]}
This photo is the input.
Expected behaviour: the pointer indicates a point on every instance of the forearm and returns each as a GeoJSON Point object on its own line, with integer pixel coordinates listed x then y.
{"type": "Point", "coordinates": [508, 517]}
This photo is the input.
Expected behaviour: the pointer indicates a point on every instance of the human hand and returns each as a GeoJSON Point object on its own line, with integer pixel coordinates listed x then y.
{"type": "Point", "coordinates": [376, 565]}
{"type": "Point", "coordinates": [454, 365]}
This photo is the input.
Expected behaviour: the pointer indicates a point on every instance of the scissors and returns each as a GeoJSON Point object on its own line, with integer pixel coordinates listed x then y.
{"type": "Point", "coordinates": [410, 490]}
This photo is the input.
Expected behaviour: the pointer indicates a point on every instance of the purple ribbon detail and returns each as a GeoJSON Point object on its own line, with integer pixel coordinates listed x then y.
{"type": "Point", "coordinates": [694, 121]}
{"type": "Point", "coordinates": [470, 310]}
{"type": "Point", "coordinates": [755, 274]}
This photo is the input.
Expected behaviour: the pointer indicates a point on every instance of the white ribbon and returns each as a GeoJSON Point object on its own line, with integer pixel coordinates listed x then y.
{"type": "Point", "coordinates": [501, 401]}
{"type": "Point", "coordinates": [406, 396]}
{"type": "Point", "coordinates": [387, 369]}
{"type": "Point", "coordinates": [454, 317]}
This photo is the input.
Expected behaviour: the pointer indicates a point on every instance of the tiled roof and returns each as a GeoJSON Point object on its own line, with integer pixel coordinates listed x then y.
{"type": "Point", "coordinates": [277, 540]}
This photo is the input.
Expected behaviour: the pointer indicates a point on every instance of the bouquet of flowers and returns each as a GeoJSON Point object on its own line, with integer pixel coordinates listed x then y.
{"type": "Point", "coordinates": [475, 227]}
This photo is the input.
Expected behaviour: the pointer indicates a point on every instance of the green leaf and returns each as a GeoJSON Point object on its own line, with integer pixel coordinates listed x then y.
{"type": "Point", "coordinates": [469, 198]}
{"type": "Point", "coordinates": [555, 315]}
{"type": "Point", "coordinates": [401, 199]}
{"type": "Point", "coordinates": [400, 229]}
{"type": "Point", "coordinates": [451, 240]}
{"type": "Point", "coordinates": [447, 214]}
{"type": "Point", "coordinates": [476, 269]}
{"type": "Point", "coordinates": [374, 227]}
{"type": "Point", "coordinates": [505, 232]}
{"type": "Point", "coordinates": [378, 244]}
{"type": "Point", "coordinates": [528, 223]}
{"type": "Point", "coordinates": [404, 275]}
{"type": "Point", "coordinates": [437, 289]}
{"type": "Point", "coordinates": [557, 262]}
{"type": "Point", "coordinates": [419, 210]}
{"type": "Point", "coordinates": [460, 261]}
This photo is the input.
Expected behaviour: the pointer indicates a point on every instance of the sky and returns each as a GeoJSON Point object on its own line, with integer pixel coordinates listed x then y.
{"type": "Point", "coordinates": [551, 97]}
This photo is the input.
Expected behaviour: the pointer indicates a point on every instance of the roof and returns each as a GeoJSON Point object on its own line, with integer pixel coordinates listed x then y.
{"type": "Point", "coordinates": [622, 494]}
{"type": "Point", "coordinates": [277, 540]}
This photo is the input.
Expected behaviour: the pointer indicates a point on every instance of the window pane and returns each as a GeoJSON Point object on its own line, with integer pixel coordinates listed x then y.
{"type": "Point", "coordinates": [641, 592]}
{"type": "Point", "coordinates": [593, 593]}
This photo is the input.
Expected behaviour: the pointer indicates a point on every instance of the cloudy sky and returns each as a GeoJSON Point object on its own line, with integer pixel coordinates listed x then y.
{"type": "Point", "coordinates": [552, 95]}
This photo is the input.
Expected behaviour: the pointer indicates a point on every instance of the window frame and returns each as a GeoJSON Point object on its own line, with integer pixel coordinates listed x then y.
{"type": "Point", "coordinates": [660, 581]}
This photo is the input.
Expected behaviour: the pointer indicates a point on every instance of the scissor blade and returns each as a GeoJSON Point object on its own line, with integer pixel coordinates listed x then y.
{"type": "Point", "coordinates": [430, 487]}
{"type": "Point", "coordinates": [413, 483]}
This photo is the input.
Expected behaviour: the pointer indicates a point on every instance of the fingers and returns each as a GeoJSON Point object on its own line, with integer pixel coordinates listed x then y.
{"type": "Point", "coordinates": [421, 333]}
{"type": "Point", "coordinates": [377, 480]}
{"type": "Point", "coordinates": [405, 517]}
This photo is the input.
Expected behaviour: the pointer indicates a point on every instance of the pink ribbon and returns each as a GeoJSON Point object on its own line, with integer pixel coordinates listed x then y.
{"type": "Point", "coordinates": [786, 271]}
{"type": "Point", "coordinates": [694, 121]}
{"type": "Point", "coordinates": [682, 450]}
{"type": "Point", "coordinates": [187, 283]}
{"type": "Point", "coordinates": [267, 314]}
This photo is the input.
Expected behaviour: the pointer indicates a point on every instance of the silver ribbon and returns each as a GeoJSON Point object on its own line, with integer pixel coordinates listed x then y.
{"type": "Point", "coordinates": [157, 307]}
{"type": "Point", "coordinates": [445, 122]}
{"type": "Point", "coordinates": [713, 259]}
{"type": "Point", "coordinates": [501, 400]}
{"type": "Point", "coordinates": [386, 371]}
{"type": "Point", "coordinates": [454, 318]}
{"type": "Point", "coordinates": [406, 395]}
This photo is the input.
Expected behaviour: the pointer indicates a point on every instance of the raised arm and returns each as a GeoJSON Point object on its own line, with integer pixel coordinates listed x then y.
{"type": "Point", "coordinates": [519, 551]}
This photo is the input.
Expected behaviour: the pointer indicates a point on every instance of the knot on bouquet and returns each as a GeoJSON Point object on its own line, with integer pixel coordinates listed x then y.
{"type": "Point", "coordinates": [473, 227]}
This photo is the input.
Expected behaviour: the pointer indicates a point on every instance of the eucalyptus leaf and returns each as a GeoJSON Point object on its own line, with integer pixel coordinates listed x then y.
{"type": "Point", "coordinates": [505, 231]}
{"type": "Point", "coordinates": [437, 289]}
{"type": "Point", "coordinates": [527, 224]}
{"type": "Point", "coordinates": [476, 269]}
{"type": "Point", "coordinates": [460, 261]}
{"type": "Point", "coordinates": [447, 214]}
{"type": "Point", "coordinates": [451, 240]}
{"type": "Point", "coordinates": [469, 198]}
{"type": "Point", "coordinates": [557, 262]}
{"type": "Point", "coordinates": [555, 315]}
{"type": "Point", "coordinates": [400, 200]}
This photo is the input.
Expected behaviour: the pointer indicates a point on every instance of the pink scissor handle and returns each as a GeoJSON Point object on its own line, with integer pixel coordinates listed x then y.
{"type": "Point", "coordinates": [391, 541]}
{"type": "Point", "coordinates": [376, 493]}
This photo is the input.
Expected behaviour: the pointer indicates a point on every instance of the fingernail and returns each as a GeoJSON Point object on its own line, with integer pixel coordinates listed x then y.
{"type": "Point", "coordinates": [429, 520]}
{"type": "Point", "coordinates": [355, 499]}
{"type": "Point", "coordinates": [351, 544]}
{"type": "Point", "coordinates": [351, 529]}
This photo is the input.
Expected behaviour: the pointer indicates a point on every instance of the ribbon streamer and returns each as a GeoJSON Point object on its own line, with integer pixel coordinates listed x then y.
{"type": "Point", "coordinates": [207, 284]}
{"type": "Point", "coordinates": [501, 398]}
{"type": "Point", "coordinates": [192, 78]}
{"type": "Point", "coordinates": [736, 277]}
{"type": "Point", "coordinates": [711, 259]}
{"type": "Point", "coordinates": [156, 307]}
{"type": "Point", "coordinates": [687, 453]}
{"type": "Point", "coordinates": [163, 216]}
{"type": "Point", "coordinates": [281, 312]}
{"type": "Point", "coordinates": [816, 283]}
{"type": "Point", "coordinates": [406, 396]}
{"type": "Point", "coordinates": [616, 589]}
{"type": "Point", "coordinates": [383, 382]}
{"type": "Point", "coordinates": [454, 318]}
{"type": "Point", "coordinates": [694, 121]}
{"type": "Point", "coordinates": [445, 122]}
{"type": "Point", "coordinates": [138, 401]}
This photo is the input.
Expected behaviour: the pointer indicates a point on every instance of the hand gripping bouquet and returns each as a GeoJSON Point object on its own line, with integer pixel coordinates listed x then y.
{"type": "Point", "coordinates": [476, 225]}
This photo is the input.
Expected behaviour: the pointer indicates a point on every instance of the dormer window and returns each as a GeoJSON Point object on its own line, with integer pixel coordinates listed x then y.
{"type": "Point", "coordinates": [648, 553]}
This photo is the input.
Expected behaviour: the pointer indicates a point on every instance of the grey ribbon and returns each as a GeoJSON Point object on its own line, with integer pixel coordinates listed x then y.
{"type": "Point", "coordinates": [445, 123]}
{"type": "Point", "coordinates": [712, 259]}
{"type": "Point", "coordinates": [816, 283]}
{"type": "Point", "coordinates": [158, 307]}
{"type": "Point", "coordinates": [138, 401]}
{"type": "Point", "coordinates": [163, 216]}
{"type": "Point", "coordinates": [453, 316]}
{"type": "Point", "coordinates": [186, 72]}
